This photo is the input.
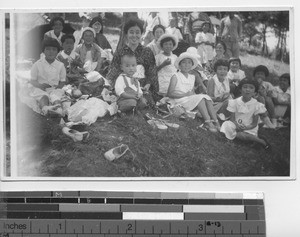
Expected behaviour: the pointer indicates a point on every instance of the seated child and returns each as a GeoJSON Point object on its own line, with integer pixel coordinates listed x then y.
{"type": "Point", "coordinates": [57, 25]}
{"type": "Point", "coordinates": [71, 60]}
{"type": "Point", "coordinates": [181, 92]}
{"type": "Point", "coordinates": [127, 87]}
{"type": "Point", "coordinates": [165, 62]}
{"type": "Point", "coordinates": [235, 75]}
{"type": "Point", "coordinates": [48, 76]}
{"type": "Point", "coordinates": [206, 42]}
{"type": "Point", "coordinates": [245, 111]}
{"type": "Point", "coordinates": [218, 88]}
{"type": "Point", "coordinates": [265, 91]}
{"type": "Point", "coordinates": [282, 97]}
{"type": "Point", "coordinates": [90, 53]}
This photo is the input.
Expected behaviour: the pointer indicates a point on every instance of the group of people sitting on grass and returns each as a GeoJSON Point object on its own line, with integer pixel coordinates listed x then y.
{"type": "Point", "coordinates": [143, 77]}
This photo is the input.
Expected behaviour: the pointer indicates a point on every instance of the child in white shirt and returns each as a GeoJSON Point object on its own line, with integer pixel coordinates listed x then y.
{"type": "Point", "coordinates": [235, 75]}
{"type": "Point", "coordinates": [127, 87]}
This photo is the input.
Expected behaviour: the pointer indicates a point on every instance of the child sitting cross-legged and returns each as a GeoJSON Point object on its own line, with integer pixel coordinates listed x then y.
{"type": "Point", "coordinates": [127, 87]}
{"type": "Point", "coordinates": [245, 112]}
{"type": "Point", "coordinates": [181, 92]}
{"type": "Point", "coordinates": [48, 76]}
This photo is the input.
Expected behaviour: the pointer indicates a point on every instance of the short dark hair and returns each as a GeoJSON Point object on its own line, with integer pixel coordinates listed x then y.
{"type": "Point", "coordinates": [286, 76]}
{"type": "Point", "coordinates": [58, 18]}
{"type": "Point", "coordinates": [221, 62]}
{"type": "Point", "coordinates": [50, 42]}
{"type": "Point", "coordinates": [158, 26]}
{"type": "Point", "coordinates": [235, 60]}
{"type": "Point", "coordinates": [261, 68]}
{"type": "Point", "coordinates": [131, 23]}
{"type": "Point", "coordinates": [94, 20]}
{"type": "Point", "coordinates": [67, 36]}
{"type": "Point", "coordinates": [167, 39]}
{"type": "Point", "coordinates": [222, 43]}
{"type": "Point", "coordinates": [127, 54]}
{"type": "Point", "coordinates": [249, 81]}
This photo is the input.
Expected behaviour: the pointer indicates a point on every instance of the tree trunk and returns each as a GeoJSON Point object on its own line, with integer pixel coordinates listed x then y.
{"type": "Point", "coordinates": [126, 16]}
{"type": "Point", "coordinates": [264, 47]}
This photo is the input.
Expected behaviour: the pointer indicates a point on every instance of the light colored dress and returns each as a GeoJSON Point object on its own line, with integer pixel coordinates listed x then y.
{"type": "Point", "coordinates": [239, 75]}
{"type": "Point", "coordinates": [174, 31]}
{"type": "Point", "coordinates": [244, 113]}
{"type": "Point", "coordinates": [185, 85]}
{"type": "Point", "coordinates": [165, 74]}
{"type": "Point", "coordinates": [205, 51]}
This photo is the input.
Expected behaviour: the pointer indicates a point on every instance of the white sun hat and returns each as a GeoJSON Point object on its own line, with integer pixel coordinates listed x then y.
{"type": "Point", "coordinates": [186, 55]}
{"type": "Point", "coordinates": [168, 36]}
{"type": "Point", "coordinates": [88, 29]}
{"type": "Point", "coordinates": [194, 51]}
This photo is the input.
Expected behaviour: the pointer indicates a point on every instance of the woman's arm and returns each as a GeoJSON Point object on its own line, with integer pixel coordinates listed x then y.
{"type": "Point", "coordinates": [114, 69]}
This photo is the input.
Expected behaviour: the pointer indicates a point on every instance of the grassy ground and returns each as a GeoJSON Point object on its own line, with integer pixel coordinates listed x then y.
{"type": "Point", "coordinates": [185, 152]}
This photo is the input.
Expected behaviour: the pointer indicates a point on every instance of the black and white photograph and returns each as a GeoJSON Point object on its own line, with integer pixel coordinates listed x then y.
{"type": "Point", "coordinates": [166, 93]}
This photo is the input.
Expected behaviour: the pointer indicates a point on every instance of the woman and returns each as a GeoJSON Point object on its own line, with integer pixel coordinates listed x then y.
{"type": "Point", "coordinates": [146, 69]}
{"type": "Point", "coordinates": [158, 31]}
{"type": "Point", "coordinates": [100, 39]}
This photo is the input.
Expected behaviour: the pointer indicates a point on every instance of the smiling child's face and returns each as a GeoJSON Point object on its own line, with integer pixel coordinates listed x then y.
{"type": "Point", "coordinates": [88, 37]}
{"type": "Point", "coordinates": [168, 46]}
{"type": "Point", "coordinates": [128, 65]}
{"type": "Point", "coordinates": [68, 46]}
{"type": "Point", "coordinates": [186, 65]}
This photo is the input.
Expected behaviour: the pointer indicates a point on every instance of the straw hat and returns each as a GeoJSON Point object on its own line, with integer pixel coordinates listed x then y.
{"type": "Point", "coordinates": [186, 55]}
{"type": "Point", "coordinates": [168, 36]}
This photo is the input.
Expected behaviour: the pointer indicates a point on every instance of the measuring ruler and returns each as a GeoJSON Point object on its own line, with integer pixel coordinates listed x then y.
{"type": "Point", "coordinates": [131, 214]}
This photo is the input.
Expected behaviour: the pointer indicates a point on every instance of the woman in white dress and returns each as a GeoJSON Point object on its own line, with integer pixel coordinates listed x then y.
{"type": "Point", "coordinates": [181, 92]}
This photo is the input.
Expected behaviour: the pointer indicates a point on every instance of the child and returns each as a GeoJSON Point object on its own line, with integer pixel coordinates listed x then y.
{"type": "Point", "coordinates": [165, 62]}
{"type": "Point", "coordinates": [158, 31]}
{"type": "Point", "coordinates": [218, 88]}
{"type": "Point", "coordinates": [70, 59]}
{"type": "Point", "coordinates": [235, 75]}
{"type": "Point", "coordinates": [173, 30]}
{"type": "Point", "coordinates": [48, 76]}
{"type": "Point", "coordinates": [245, 111]}
{"type": "Point", "coordinates": [181, 92]}
{"type": "Point", "coordinates": [265, 91]}
{"type": "Point", "coordinates": [205, 41]}
{"type": "Point", "coordinates": [127, 87]}
{"type": "Point", "coordinates": [282, 97]}
{"type": "Point", "coordinates": [57, 25]}
{"type": "Point", "coordinates": [90, 53]}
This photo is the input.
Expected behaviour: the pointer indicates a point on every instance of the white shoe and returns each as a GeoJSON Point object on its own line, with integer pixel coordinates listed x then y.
{"type": "Point", "coordinates": [221, 116]}
{"type": "Point", "coordinates": [157, 124]}
{"type": "Point", "coordinates": [75, 135]}
{"type": "Point", "coordinates": [116, 152]}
